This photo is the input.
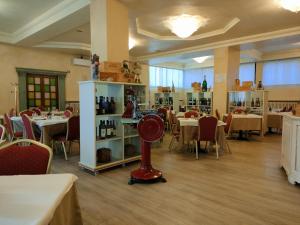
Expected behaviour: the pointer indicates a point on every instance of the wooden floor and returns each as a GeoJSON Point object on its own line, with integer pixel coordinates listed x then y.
{"type": "Point", "coordinates": [245, 188]}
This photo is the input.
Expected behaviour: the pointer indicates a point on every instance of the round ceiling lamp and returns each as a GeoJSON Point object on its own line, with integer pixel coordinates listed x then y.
{"type": "Point", "coordinates": [292, 5]}
{"type": "Point", "coordinates": [185, 25]}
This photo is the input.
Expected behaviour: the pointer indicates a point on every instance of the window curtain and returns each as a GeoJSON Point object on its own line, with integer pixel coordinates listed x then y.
{"type": "Point", "coordinates": [281, 72]}
{"type": "Point", "coordinates": [247, 72]}
{"type": "Point", "coordinates": [197, 75]}
{"type": "Point", "coordinates": [165, 77]}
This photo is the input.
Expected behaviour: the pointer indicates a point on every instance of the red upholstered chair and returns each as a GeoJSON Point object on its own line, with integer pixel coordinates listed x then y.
{"type": "Point", "coordinates": [8, 124]}
{"type": "Point", "coordinates": [207, 132]}
{"type": "Point", "coordinates": [28, 127]}
{"type": "Point", "coordinates": [27, 112]}
{"type": "Point", "coordinates": [72, 135]}
{"type": "Point", "coordinates": [70, 108]}
{"type": "Point", "coordinates": [191, 114]}
{"type": "Point", "coordinates": [162, 112]}
{"type": "Point", "coordinates": [24, 157]}
{"type": "Point", "coordinates": [37, 111]}
{"type": "Point", "coordinates": [67, 113]}
{"type": "Point", "coordinates": [2, 132]}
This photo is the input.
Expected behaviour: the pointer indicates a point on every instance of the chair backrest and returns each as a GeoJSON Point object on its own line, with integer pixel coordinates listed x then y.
{"type": "Point", "coordinates": [28, 127]}
{"type": "Point", "coordinates": [32, 158]}
{"type": "Point", "coordinates": [207, 128]}
{"type": "Point", "coordinates": [190, 114]}
{"type": "Point", "coordinates": [26, 112]}
{"type": "Point", "coordinates": [12, 112]}
{"type": "Point", "coordinates": [70, 108]}
{"type": "Point", "coordinates": [8, 125]}
{"type": "Point", "coordinates": [67, 113]}
{"type": "Point", "coordinates": [228, 123]}
{"type": "Point", "coordinates": [162, 112]}
{"type": "Point", "coordinates": [73, 128]}
{"type": "Point", "coordinates": [218, 114]}
{"type": "Point", "coordinates": [37, 111]}
{"type": "Point", "coordinates": [2, 132]}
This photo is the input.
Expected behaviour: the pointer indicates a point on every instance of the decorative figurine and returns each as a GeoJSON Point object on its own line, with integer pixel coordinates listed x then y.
{"type": "Point", "coordinates": [260, 86]}
{"type": "Point", "coordinates": [95, 67]}
{"type": "Point", "coordinates": [136, 72]}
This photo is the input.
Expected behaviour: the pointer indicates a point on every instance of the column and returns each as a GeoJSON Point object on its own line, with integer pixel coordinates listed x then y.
{"type": "Point", "coordinates": [109, 30]}
{"type": "Point", "coordinates": [226, 70]}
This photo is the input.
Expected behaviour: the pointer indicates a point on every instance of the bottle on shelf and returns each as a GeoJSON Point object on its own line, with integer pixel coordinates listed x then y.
{"type": "Point", "coordinates": [252, 103]}
{"type": "Point", "coordinates": [102, 130]}
{"type": "Point", "coordinates": [257, 103]}
{"type": "Point", "coordinates": [112, 105]}
{"type": "Point", "coordinates": [114, 129]}
{"type": "Point", "coordinates": [204, 84]}
{"type": "Point", "coordinates": [97, 106]}
{"type": "Point", "coordinates": [108, 129]}
{"type": "Point", "coordinates": [101, 106]}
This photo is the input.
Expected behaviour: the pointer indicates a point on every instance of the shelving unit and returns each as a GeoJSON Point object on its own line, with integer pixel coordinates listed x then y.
{"type": "Point", "coordinates": [166, 99]}
{"type": "Point", "coordinates": [89, 143]}
{"type": "Point", "coordinates": [242, 100]}
{"type": "Point", "coordinates": [200, 100]}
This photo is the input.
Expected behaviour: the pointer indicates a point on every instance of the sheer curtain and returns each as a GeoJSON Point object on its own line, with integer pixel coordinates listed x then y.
{"type": "Point", "coordinates": [281, 72]}
{"type": "Point", "coordinates": [247, 72]}
{"type": "Point", "coordinates": [197, 75]}
{"type": "Point", "coordinates": [159, 76]}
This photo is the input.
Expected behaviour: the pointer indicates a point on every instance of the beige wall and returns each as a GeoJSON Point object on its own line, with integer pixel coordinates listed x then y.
{"type": "Point", "coordinates": [12, 57]}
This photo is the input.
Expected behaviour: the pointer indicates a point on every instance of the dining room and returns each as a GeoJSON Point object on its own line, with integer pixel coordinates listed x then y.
{"type": "Point", "coordinates": [149, 112]}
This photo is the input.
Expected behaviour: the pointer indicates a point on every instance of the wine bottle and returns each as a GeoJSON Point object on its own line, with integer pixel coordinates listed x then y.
{"type": "Point", "coordinates": [102, 130]}
{"type": "Point", "coordinates": [97, 106]}
{"type": "Point", "coordinates": [204, 84]}
{"type": "Point", "coordinates": [101, 106]}
{"type": "Point", "coordinates": [114, 128]}
{"type": "Point", "coordinates": [112, 105]}
{"type": "Point", "coordinates": [108, 129]}
{"type": "Point", "coordinates": [252, 103]}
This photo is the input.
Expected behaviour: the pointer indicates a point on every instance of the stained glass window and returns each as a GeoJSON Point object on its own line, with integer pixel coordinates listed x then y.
{"type": "Point", "coordinates": [42, 92]}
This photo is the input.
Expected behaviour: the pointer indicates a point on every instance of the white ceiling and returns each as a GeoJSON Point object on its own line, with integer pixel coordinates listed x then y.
{"type": "Point", "coordinates": [64, 25]}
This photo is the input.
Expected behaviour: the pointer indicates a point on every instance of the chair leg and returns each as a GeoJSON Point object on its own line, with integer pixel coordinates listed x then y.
{"type": "Point", "coordinates": [228, 147]}
{"type": "Point", "coordinates": [64, 148]}
{"type": "Point", "coordinates": [171, 144]}
{"type": "Point", "coordinates": [217, 150]}
{"type": "Point", "coordinates": [197, 155]}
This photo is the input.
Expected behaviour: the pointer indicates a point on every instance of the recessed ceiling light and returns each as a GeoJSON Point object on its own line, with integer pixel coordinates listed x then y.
{"type": "Point", "coordinates": [201, 59]}
{"type": "Point", "coordinates": [185, 25]}
{"type": "Point", "coordinates": [292, 5]}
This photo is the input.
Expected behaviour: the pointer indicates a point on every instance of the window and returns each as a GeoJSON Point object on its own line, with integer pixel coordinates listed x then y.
{"type": "Point", "coordinates": [197, 75]}
{"type": "Point", "coordinates": [42, 92]}
{"type": "Point", "coordinates": [165, 77]}
{"type": "Point", "coordinates": [247, 72]}
{"type": "Point", "coordinates": [281, 72]}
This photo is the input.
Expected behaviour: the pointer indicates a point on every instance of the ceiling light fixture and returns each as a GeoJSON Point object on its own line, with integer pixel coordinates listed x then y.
{"type": "Point", "coordinates": [131, 43]}
{"type": "Point", "coordinates": [292, 5]}
{"type": "Point", "coordinates": [185, 25]}
{"type": "Point", "coordinates": [201, 59]}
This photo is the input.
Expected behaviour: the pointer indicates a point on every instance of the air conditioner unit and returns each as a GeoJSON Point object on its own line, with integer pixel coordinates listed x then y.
{"type": "Point", "coordinates": [81, 62]}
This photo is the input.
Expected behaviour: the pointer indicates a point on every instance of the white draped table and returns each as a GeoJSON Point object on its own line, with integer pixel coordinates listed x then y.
{"type": "Point", "coordinates": [39, 200]}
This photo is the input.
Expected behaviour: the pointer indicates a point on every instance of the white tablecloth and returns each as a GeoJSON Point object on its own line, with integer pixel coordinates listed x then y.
{"type": "Point", "coordinates": [194, 122]}
{"type": "Point", "coordinates": [41, 121]}
{"type": "Point", "coordinates": [32, 199]}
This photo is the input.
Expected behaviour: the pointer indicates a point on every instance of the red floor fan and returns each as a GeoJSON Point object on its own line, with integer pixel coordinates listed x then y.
{"type": "Point", "coordinates": [150, 129]}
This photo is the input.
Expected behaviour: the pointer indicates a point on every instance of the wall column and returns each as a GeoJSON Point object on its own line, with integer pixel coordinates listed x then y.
{"type": "Point", "coordinates": [226, 70]}
{"type": "Point", "coordinates": [109, 30]}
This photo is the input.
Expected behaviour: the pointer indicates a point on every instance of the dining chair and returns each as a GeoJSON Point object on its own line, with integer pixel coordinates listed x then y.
{"type": "Point", "coordinates": [175, 136]}
{"type": "Point", "coordinates": [25, 157]}
{"type": "Point", "coordinates": [28, 124]}
{"type": "Point", "coordinates": [9, 127]}
{"type": "Point", "coordinates": [2, 132]}
{"type": "Point", "coordinates": [67, 113]}
{"type": "Point", "coordinates": [191, 114]}
{"type": "Point", "coordinates": [72, 134]}
{"type": "Point", "coordinates": [27, 112]}
{"type": "Point", "coordinates": [162, 112]}
{"type": "Point", "coordinates": [207, 132]}
{"type": "Point", "coordinates": [70, 108]}
{"type": "Point", "coordinates": [227, 129]}
{"type": "Point", "coordinates": [37, 111]}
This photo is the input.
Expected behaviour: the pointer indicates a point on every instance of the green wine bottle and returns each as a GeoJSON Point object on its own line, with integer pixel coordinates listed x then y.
{"type": "Point", "coordinates": [204, 84]}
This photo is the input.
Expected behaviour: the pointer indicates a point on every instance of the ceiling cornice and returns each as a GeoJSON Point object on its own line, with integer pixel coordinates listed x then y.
{"type": "Point", "coordinates": [216, 32]}
{"type": "Point", "coordinates": [226, 43]}
{"type": "Point", "coordinates": [53, 15]}
{"type": "Point", "coordinates": [65, 45]}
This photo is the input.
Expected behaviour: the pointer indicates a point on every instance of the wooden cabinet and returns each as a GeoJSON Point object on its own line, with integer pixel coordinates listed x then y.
{"type": "Point", "coordinates": [124, 139]}
{"type": "Point", "coordinates": [290, 148]}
